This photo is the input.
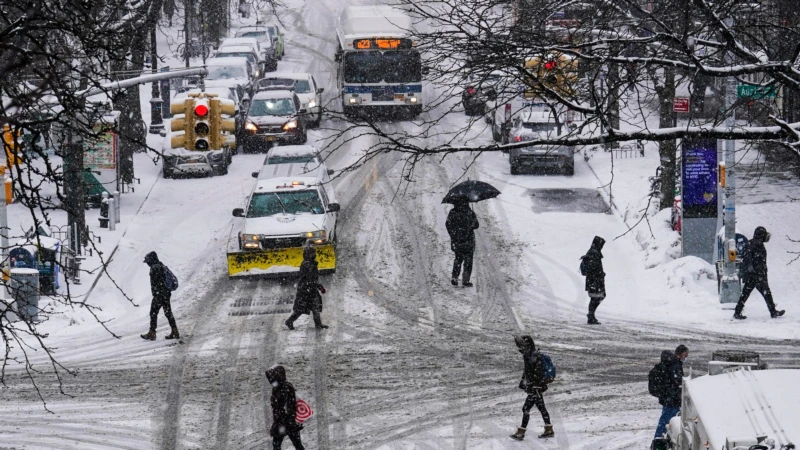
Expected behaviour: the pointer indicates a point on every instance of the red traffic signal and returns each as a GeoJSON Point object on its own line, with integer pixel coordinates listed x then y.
{"type": "Point", "coordinates": [550, 65]}
{"type": "Point", "coordinates": [201, 110]}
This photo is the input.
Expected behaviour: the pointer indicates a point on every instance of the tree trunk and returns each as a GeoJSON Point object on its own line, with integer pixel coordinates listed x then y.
{"type": "Point", "coordinates": [667, 149]}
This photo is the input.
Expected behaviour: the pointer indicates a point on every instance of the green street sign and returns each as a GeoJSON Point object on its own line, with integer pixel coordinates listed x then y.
{"type": "Point", "coordinates": [749, 91]}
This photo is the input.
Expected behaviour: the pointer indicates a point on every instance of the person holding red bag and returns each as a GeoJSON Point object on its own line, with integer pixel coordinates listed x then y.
{"type": "Point", "coordinates": [308, 299]}
{"type": "Point", "coordinates": [284, 409]}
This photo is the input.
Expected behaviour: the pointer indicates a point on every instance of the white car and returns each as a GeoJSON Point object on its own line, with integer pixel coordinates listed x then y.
{"type": "Point", "coordinates": [295, 154]}
{"type": "Point", "coordinates": [260, 33]}
{"type": "Point", "coordinates": [304, 85]}
{"type": "Point", "coordinates": [242, 51]}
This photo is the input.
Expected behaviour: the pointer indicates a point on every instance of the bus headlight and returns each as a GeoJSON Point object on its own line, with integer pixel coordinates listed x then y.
{"type": "Point", "coordinates": [250, 241]}
{"type": "Point", "coordinates": [353, 100]}
{"type": "Point", "coordinates": [412, 99]}
{"type": "Point", "coordinates": [290, 125]}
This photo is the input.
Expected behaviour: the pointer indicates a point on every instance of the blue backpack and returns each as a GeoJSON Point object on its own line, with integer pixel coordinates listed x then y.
{"type": "Point", "coordinates": [170, 280]}
{"type": "Point", "coordinates": [549, 368]}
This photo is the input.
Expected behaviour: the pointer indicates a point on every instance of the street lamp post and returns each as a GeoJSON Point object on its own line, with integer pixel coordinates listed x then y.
{"type": "Point", "coordinates": [156, 121]}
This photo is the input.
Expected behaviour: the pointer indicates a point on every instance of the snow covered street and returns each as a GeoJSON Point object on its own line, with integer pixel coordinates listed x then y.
{"type": "Point", "coordinates": [409, 361]}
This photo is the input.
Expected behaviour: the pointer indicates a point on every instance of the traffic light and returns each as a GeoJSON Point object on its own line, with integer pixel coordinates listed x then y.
{"type": "Point", "coordinates": [182, 120]}
{"type": "Point", "coordinates": [220, 124]}
{"type": "Point", "coordinates": [202, 125]}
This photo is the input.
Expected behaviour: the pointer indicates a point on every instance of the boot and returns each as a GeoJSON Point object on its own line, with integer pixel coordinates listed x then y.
{"type": "Point", "coordinates": [548, 432]}
{"type": "Point", "coordinates": [150, 336]}
{"type": "Point", "coordinates": [739, 316]}
{"type": "Point", "coordinates": [775, 314]}
{"type": "Point", "coordinates": [454, 281]}
{"type": "Point", "coordinates": [467, 284]}
{"type": "Point", "coordinates": [289, 324]}
{"type": "Point", "coordinates": [592, 319]}
{"type": "Point", "coordinates": [519, 435]}
{"type": "Point", "coordinates": [174, 334]}
{"type": "Point", "coordinates": [320, 326]}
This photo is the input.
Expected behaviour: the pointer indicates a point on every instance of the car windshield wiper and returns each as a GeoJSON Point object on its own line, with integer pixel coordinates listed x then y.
{"type": "Point", "coordinates": [310, 208]}
{"type": "Point", "coordinates": [283, 207]}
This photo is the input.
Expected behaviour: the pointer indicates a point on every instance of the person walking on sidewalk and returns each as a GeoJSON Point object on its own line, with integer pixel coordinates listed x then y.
{"type": "Point", "coordinates": [284, 410]}
{"type": "Point", "coordinates": [667, 376]}
{"type": "Point", "coordinates": [461, 225]}
{"type": "Point", "coordinates": [754, 271]}
{"type": "Point", "coordinates": [533, 383]}
{"type": "Point", "coordinates": [161, 297]}
{"type": "Point", "coordinates": [308, 299]}
{"type": "Point", "coordinates": [592, 269]}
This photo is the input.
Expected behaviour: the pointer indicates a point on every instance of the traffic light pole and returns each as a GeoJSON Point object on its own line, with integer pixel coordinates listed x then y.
{"type": "Point", "coordinates": [156, 121]}
{"type": "Point", "coordinates": [730, 289]}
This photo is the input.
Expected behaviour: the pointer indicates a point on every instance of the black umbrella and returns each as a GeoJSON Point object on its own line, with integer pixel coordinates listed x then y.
{"type": "Point", "coordinates": [470, 191]}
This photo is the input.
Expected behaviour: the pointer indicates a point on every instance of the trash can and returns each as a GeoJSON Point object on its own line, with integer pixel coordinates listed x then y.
{"type": "Point", "coordinates": [24, 287]}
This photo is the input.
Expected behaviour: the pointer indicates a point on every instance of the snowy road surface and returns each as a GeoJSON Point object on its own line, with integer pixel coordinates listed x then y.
{"type": "Point", "coordinates": [409, 362]}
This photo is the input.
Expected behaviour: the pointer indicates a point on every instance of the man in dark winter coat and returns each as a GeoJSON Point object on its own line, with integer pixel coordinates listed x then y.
{"type": "Point", "coordinates": [308, 298]}
{"type": "Point", "coordinates": [161, 298]}
{"type": "Point", "coordinates": [592, 269]}
{"type": "Point", "coordinates": [284, 409]}
{"type": "Point", "coordinates": [461, 225]}
{"type": "Point", "coordinates": [533, 384]}
{"type": "Point", "coordinates": [670, 386]}
{"type": "Point", "coordinates": [754, 270]}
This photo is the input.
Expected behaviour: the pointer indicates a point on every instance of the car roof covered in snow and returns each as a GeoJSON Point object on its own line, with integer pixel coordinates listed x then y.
{"type": "Point", "coordinates": [274, 93]}
{"type": "Point", "coordinates": [277, 176]}
{"type": "Point", "coordinates": [722, 403]}
{"type": "Point", "coordinates": [287, 75]}
{"type": "Point", "coordinates": [235, 48]}
{"type": "Point", "coordinates": [293, 150]}
{"type": "Point", "coordinates": [227, 61]}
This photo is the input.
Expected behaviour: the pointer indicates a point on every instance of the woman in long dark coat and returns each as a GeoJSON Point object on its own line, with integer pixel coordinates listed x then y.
{"type": "Point", "coordinates": [592, 269]}
{"type": "Point", "coordinates": [284, 409]}
{"type": "Point", "coordinates": [308, 299]}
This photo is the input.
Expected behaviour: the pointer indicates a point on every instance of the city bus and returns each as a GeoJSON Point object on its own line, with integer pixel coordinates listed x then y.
{"type": "Point", "coordinates": [379, 66]}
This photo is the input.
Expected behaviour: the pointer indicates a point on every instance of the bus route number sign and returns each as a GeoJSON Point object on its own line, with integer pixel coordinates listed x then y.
{"type": "Point", "coordinates": [381, 44]}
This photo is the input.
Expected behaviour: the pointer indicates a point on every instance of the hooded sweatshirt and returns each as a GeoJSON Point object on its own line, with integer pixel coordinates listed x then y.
{"type": "Point", "coordinates": [283, 402]}
{"type": "Point", "coordinates": [592, 266]}
{"type": "Point", "coordinates": [754, 260]}
{"type": "Point", "coordinates": [158, 277]}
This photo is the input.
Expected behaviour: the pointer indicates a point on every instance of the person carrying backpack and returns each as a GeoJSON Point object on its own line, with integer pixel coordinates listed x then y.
{"type": "Point", "coordinates": [162, 283]}
{"type": "Point", "coordinates": [534, 383]}
{"type": "Point", "coordinates": [754, 271]}
{"type": "Point", "coordinates": [592, 269]}
{"type": "Point", "coordinates": [665, 382]}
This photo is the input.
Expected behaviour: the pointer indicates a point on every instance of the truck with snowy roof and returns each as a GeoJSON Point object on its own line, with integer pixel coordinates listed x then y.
{"type": "Point", "coordinates": [738, 407]}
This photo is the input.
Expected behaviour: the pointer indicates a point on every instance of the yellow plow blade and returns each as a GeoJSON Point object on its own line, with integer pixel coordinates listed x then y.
{"type": "Point", "coordinates": [278, 261]}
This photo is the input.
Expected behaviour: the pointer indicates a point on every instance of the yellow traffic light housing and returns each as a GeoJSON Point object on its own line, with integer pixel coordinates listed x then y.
{"type": "Point", "coordinates": [220, 124]}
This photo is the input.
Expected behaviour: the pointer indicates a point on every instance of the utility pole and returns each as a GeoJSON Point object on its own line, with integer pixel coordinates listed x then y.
{"type": "Point", "coordinates": [730, 289]}
{"type": "Point", "coordinates": [187, 30]}
{"type": "Point", "coordinates": [156, 122]}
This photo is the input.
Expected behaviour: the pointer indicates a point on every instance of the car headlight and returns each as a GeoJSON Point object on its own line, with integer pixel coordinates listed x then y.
{"type": "Point", "coordinates": [317, 237]}
{"type": "Point", "coordinates": [312, 104]}
{"type": "Point", "coordinates": [290, 125]}
{"type": "Point", "coordinates": [250, 241]}
{"type": "Point", "coordinates": [250, 126]}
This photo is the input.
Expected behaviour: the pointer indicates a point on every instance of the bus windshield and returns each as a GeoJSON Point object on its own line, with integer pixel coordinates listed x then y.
{"type": "Point", "coordinates": [375, 67]}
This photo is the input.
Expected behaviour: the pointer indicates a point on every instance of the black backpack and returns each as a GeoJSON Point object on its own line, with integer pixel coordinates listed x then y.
{"type": "Point", "coordinates": [584, 269]}
{"type": "Point", "coordinates": [656, 379]}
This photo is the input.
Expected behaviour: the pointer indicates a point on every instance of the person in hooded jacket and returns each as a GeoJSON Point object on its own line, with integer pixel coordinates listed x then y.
{"type": "Point", "coordinates": [592, 269]}
{"type": "Point", "coordinates": [754, 270]}
{"type": "Point", "coordinates": [308, 299]}
{"type": "Point", "coordinates": [161, 298]}
{"type": "Point", "coordinates": [461, 225]}
{"type": "Point", "coordinates": [284, 409]}
{"type": "Point", "coordinates": [671, 386]}
{"type": "Point", "coordinates": [533, 384]}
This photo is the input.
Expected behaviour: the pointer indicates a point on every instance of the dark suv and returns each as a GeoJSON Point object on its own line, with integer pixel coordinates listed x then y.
{"type": "Point", "coordinates": [275, 116]}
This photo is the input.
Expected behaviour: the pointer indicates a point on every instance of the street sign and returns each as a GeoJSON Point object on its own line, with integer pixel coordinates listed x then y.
{"type": "Point", "coordinates": [750, 91]}
{"type": "Point", "coordinates": [680, 104]}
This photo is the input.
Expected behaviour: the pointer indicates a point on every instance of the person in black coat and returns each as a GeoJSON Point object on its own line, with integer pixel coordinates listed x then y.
{"type": "Point", "coordinates": [461, 225]}
{"type": "Point", "coordinates": [308, 299]}
{"type": "Point", "coordinates": [754, 271]}
{"type": "Point", "coordinates": [671, 383]}
{"type": "Point", "coordinates": [592, 269]}
{"type": "Point", "coordinates": [284, 409]}
{"type": "Point", "coordinates": [533, 384]}
{"type": "Point", "coordinates": [161, 298]}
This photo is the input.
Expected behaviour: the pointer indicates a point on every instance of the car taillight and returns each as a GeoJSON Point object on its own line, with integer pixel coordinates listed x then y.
{"type": "Point", "coordinates": [470, 90]}
{"type": "Point", "coordinates": [518, 139]}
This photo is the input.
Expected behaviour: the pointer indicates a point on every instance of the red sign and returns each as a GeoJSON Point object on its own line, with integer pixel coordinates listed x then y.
{"type": "Point", "coordinates": [680, 104]}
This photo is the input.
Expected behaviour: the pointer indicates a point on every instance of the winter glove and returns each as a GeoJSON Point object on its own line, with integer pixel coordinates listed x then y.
{"type": "Point", "coordinates": [321, 289]}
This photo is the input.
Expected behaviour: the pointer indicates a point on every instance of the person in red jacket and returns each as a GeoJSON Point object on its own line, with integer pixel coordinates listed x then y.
{"type": "Point", "coordinates": [284, 409]}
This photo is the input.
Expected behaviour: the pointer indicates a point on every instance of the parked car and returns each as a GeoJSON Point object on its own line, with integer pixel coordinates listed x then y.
{"type": "Point", "coordinates": [277, 38]}
{"type": "Point", "coordinates": [275, 116]}
{"type": "Point", "coordinates": [479, 91]}
{"type": "Point", "coordinates": [304, 86]}
{"type": "Point", "coordinates": [532, 125]}
{"type": "Point", "coordinates": [268, 44]}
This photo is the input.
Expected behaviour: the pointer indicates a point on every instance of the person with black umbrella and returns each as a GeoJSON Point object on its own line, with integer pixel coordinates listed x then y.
{"type": "Point", "coordinates": [462, 223]}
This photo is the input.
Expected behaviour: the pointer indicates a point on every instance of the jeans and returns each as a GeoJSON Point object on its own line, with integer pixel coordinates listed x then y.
{"type": "Point", "coordinates": [537, 400]}
{"type": "Point", "coordinates": [667, 413]}
{"type": "Point", "coordinates": [155, 306]}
